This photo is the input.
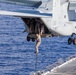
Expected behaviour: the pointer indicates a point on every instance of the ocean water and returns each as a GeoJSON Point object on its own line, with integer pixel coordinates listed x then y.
{"type": "Point", "coordinates": [17, 56]}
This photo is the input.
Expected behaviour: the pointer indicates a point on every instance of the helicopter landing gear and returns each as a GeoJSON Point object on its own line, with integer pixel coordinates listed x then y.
{"type": "Point", "coordinates": [28, 38]}
{"type": "Point", "coordinates": [72, 40]}
{"type": "Point", "coordinates": [31, 37]}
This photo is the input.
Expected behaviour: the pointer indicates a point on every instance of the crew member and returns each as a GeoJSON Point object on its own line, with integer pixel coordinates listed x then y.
{"type": "Point", "coordinates": [38, 39]}
{"type": "Point", "coordinates": [38, 42]}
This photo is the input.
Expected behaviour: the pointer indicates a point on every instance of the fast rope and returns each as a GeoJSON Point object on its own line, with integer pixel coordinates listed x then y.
{"type": "Point", "coordinates": [36, 62]}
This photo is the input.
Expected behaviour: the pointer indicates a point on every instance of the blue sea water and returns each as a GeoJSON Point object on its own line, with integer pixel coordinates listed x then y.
{"type": "Point", "coordinates": [17, 56]}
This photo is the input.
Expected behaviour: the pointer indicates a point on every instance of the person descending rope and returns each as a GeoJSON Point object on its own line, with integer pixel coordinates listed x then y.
{"type": "Point", "coordinates": [38, 42]}
{"type": "Point", "coordinates": [38, 37]}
